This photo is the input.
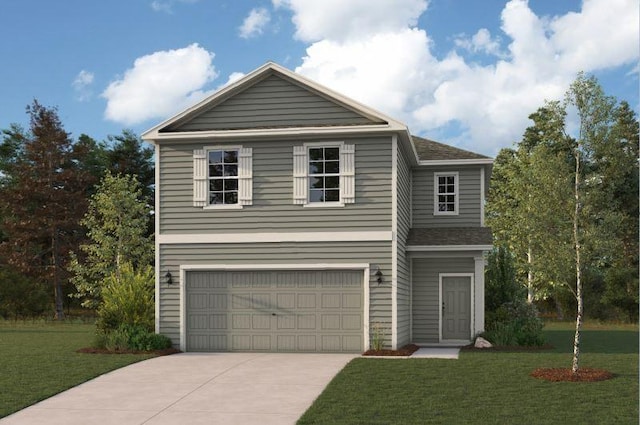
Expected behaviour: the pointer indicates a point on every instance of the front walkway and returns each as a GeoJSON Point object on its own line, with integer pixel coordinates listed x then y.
{"type": "Point", "coordinates": [436, 353]}
{"type": "Point", "coordinates": [216, 388]}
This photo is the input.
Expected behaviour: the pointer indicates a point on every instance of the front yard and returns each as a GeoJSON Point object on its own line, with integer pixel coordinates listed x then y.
{"type": "Point", "coordinates": [489, 388]}
{"type": "Point", "coordinates": [38, 360]}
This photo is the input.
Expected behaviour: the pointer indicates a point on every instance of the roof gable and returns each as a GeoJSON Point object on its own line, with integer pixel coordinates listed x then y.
{"type": "Point", "coordinates": [271, 97]}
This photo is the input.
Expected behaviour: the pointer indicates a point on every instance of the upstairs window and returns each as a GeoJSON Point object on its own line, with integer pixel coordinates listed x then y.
{"type": "Point", "coordinates": [222, 177]}
{"type": "Point", "coordinates": [324, 174]}
{"type": "Point", "coordinates": [445, 193]}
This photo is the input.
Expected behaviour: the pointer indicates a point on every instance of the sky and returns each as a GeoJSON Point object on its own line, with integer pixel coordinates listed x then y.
{"type": "Point", "coordinates": [464, 72]}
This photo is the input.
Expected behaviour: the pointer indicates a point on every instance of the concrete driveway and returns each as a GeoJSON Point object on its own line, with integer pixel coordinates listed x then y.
{"type": "Point", "coordinates": [216, 388]}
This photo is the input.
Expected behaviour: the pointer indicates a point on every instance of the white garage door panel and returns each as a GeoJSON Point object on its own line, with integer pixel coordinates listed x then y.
{"type": "Point", "coordinates": [314, 311]}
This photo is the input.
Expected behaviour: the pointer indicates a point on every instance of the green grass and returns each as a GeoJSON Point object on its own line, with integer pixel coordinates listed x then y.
{"type": "Point", "coordinates": [489, 387]}
{"type": "Point", "coordinates": [38, 360]}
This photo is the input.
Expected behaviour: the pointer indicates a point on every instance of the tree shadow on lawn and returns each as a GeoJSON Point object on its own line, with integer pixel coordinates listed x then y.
{"type": "Point", "coordinates": [595, 341]}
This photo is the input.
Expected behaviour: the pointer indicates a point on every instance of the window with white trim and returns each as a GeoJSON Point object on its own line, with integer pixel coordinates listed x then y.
{"type": "Point", "coordinates": [445, 193]}
{"type": "Point", "coordinates": [324, 174]}
{"type": "Point", "coordinates": [222, 177]}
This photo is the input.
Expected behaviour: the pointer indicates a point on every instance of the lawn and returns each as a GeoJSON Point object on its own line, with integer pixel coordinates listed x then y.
{"type": "Point", "coordinates": [489, 387]}
{"type": "Point", "coordinates": [38, 360]}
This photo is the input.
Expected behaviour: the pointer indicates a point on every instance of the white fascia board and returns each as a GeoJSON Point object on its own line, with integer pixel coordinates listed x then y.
{"type": "Point", "coordinates": [394, 243]}
{"type": "Point", "coordinates": [277, 132]}
{"type": "Point", "coordinates": [156, 219]}
{"type": "Point", "coordinates": [482, 197]}
{"type": "Point", "coordinates": [221, 238]}
{"type": "Point", "coordinates": [436, 162]}
{"type": "Point", "coordinates": [434, 248]}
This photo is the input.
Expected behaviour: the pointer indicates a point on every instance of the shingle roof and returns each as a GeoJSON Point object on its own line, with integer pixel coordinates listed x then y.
{"type": "Point", "coordinates": [450, 236]}
{"type": "Point", "coordinates": [429, 150]}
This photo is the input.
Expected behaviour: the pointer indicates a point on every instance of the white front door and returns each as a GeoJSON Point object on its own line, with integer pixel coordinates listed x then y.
{"type": "Point", "coordinates": [455, 308]}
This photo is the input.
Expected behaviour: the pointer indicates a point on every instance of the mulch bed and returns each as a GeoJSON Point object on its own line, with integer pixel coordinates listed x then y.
{"type": "Point", "coordinates": [92, 350]}
{"type": "Point", "coordinates": [407, 350]}
{"type": "Point", "coordinates": [583, 374]}
{"type": "Point", "coordinates": [510, 348]}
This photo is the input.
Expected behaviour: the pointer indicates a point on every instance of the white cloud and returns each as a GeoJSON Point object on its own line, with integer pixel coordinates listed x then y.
{"type": "Point", "coordinates": [603, 34]}
{"type": "Point", "coordinates": [383, 71]}
{"type": "Point", "coordinates": [340, 20]}
{"type": "Point", "coordinates": [370, 52]}
{"type": "Point", "coordinates": [166, 6]}
{"type": "Point", "coordinates": [161, 6]}
{"type": "Point", "coordinates": [480, 42]}
{"type": "Point", "coordinates": [233, 77]}
{"type": "Point", "coordinates": [255, 22]}
{"type": "Point", "coordinates": [160, 84]}
{"type": "Point", "coordinates": [81, 85]}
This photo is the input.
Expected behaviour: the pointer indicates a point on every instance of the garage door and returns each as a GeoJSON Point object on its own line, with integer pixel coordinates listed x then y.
{"type": "Point", "coordinates": [312, 311]}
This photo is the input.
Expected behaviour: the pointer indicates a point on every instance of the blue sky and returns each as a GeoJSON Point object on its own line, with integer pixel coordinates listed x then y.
{"type": "Point", "coordinates": [463, 72]}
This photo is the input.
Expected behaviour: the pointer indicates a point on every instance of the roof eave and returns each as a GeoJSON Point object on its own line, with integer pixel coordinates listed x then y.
{"type": "Point", "coordinates": [469, 161]}
{"type": "Point", "coordinates": [434, 248]}
{"type": "Point", "coordinates": [267, 133]}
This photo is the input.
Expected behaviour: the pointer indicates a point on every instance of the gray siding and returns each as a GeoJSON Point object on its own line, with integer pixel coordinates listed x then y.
{"type": "Point", "coordinates": [272, 102]}
{"type": "Point", "coordinates": [172, 256]}
{"type": "Point", "coordinates": [273, 209]}
{"type": "Point", "coordinates": [425, 306]}
{"type": "Point", "coordinates": [469, 201]}
{"type": "Point", "coordinates": [404, 224]}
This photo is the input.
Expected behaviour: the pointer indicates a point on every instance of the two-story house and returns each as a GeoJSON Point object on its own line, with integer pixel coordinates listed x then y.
{"type": "Point", "coordinates": [292, 218]}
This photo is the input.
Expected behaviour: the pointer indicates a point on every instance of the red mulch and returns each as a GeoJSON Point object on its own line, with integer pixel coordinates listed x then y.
{"type": "Point", "coordinates": [407, 350]}
{"type": "Point", "coordinates": [92, 350]}
{"type": "Point", "coordinates": [509, 348]}
{"type": "Point", "coordinates": [563, 375]}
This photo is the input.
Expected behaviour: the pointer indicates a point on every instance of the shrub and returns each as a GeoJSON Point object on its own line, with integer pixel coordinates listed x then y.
{"type": "Point", "coordinates": [131, 338]}
{"type": "Point", "coordinates": [502, 333]}
{"type": "Point", "coordinates": [377, 336]}
{"type": "Point", "coordinates": [127, 299]}
{"type": "Point", "coordinates": [515, 323]}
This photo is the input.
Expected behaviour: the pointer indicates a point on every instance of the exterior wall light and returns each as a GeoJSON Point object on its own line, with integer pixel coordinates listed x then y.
{"type": "Point", "coordinates": [378, 275]}
{"type": "Point", "coordinates": [169, 278]}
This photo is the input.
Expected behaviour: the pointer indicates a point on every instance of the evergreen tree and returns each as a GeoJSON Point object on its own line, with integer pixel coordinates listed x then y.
{"type": "Point", "coordinates": [43, 195]}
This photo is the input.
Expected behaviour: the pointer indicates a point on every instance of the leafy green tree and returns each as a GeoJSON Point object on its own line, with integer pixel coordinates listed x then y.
{"type": "Point", "coordinates": [616, 164]}
{"type": "Point", "coordinates": [116, 223]}
{"type": "Point", "coordinates": [43, 192]}
{"type": "Point", "coordinates": [500, 279]}
{"type": "Point", "coordinates": [594, 229]}
{"type": "Point", "coordinates": [566, 203]}
{"type": "Point", "coordinates": [526, 199]}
